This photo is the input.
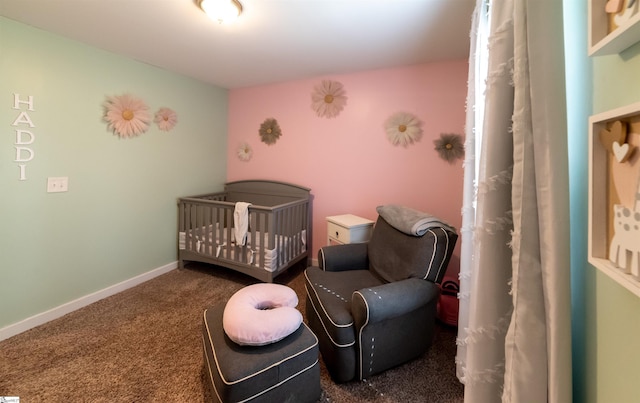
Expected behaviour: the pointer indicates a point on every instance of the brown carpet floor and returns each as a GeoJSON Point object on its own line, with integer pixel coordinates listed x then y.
{"type": "Point", "coordinates": [144, 345]}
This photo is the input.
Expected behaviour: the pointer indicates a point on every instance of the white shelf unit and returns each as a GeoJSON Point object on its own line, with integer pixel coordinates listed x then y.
{"type": "Point", "coordinates": [603, 43]}
{"type": "Point", "coordinates": [598, 243]}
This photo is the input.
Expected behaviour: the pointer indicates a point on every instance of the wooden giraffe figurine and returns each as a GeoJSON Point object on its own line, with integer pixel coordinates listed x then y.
{"type": "Point", "coordinates": [626, 238]}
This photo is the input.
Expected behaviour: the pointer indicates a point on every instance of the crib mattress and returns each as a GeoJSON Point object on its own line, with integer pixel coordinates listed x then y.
{"type": "Point", "coordinates": [207, 242]}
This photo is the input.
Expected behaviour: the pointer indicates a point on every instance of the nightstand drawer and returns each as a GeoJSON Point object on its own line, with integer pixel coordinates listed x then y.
{"type": "Point", "coordinates": [348, 228]}
{"type": "Point", "coordinates": [338, 233]}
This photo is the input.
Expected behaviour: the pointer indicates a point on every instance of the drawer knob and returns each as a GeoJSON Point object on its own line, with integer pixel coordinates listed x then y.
{"type": "Point", "coordinates": [337, 234]}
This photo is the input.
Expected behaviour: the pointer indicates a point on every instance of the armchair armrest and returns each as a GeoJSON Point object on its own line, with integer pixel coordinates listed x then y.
{"type": "Point", "coordinates": [351, 256]}
{"type": "Point", "coordinates": [397, 316]}
{"type": "Point", "coordinates": [376, 304]}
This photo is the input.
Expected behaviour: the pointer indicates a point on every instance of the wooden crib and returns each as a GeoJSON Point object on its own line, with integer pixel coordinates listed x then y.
{"type": "Point", "coordinates": [278, 234]}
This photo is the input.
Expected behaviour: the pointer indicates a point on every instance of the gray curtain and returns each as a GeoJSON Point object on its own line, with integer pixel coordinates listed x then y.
{"type": "Point", "coordinates": [514, 328]}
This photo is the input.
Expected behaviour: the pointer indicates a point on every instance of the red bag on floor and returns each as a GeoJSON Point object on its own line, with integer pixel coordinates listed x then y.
{"type": "Point", "coordinates": [448, 303]}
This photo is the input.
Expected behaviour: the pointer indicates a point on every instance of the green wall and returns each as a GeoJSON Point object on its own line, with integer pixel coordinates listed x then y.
{"type": "Point", "coordinates": [606, 319]}
{"type": "Point", "coordinates": [118, 219]}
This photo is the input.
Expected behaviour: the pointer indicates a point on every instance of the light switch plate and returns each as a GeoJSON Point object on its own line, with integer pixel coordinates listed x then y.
{"type": "Point", "coordinates": [57, 184]}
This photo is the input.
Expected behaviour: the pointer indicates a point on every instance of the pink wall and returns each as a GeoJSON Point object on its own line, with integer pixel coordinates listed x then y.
{"type": "Point", "coordinates": [347, 161]}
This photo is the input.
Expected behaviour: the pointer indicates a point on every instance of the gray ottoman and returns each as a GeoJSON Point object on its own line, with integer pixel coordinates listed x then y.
{"type": "Point", "coordinates": [285, 371]}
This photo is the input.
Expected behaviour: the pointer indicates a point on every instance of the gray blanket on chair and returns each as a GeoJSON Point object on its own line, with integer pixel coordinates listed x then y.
{"type": "Point", "coordinates": [410, 221]}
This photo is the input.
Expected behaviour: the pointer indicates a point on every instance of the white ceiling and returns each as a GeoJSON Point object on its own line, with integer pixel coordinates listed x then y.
{"type": "Point", "coordinates": [272, 41]}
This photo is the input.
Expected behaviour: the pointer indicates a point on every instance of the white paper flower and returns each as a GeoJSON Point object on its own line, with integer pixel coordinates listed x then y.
{"type": "Point", "coordinates": [244, 152]}
{"type": "Point", "coordinates": [126, 115]}
{"type": "Point", "coordinates": [403, 129]}
{"type": "Point", "coordinates": [166, 119]}
{"type": "Point", "coordinates": [328, 99]}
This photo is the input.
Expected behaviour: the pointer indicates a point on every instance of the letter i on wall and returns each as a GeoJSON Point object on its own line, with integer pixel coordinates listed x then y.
{"type": "Point", "coordinates": [24, 136]}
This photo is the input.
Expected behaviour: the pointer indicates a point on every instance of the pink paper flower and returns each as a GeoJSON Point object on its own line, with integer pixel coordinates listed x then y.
{"type": "Point", "coordinates": [328, 98]}
{"type": "Point", "coordinates": [166, 119]}
{"type": "Point", "coordinates": [126, 115]}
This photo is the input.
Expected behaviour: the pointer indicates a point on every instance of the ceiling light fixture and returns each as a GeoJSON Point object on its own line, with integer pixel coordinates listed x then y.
{"type": "Point", "coordinates": [221, 10]}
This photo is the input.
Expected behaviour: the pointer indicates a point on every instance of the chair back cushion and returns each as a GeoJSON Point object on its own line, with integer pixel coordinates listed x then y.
{"type": "Point", "coordinates": [395, 256]}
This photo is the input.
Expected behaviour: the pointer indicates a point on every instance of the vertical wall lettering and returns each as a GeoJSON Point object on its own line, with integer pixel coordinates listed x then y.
{"type": "Point", "coordinates": [24, 135]}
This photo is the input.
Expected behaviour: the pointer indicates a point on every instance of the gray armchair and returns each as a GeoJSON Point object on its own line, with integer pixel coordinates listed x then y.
{"type": "Point", "coordinates": [373, 305]}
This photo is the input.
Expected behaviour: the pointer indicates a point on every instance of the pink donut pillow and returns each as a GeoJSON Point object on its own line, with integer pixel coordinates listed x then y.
{"type": "Point", "coordinates": [261, 314]}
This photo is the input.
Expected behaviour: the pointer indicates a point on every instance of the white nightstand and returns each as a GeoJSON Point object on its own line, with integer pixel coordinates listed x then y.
{"type": "Point", "coordinates": [348, 228]}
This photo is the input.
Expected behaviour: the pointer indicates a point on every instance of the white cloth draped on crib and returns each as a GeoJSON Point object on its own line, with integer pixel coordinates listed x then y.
{"type": "Point", "coordinates": [241, 222]}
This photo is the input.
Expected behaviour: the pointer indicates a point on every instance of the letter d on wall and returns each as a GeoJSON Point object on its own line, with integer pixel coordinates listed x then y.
{"type": "Point", "coordinates": [20, 157]}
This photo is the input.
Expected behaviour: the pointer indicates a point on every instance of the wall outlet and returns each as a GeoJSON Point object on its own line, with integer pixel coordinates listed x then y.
{"type": "Point", "coordinates": [58, 184]}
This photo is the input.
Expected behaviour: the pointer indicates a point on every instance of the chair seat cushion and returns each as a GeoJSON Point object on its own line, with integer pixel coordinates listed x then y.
{"type": "Point", "coordinates": [330, 294]}
{"type": "Point", "coordinates": [261, 314]}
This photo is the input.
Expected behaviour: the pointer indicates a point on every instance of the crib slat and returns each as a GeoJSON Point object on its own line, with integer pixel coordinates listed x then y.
{"type": "Point", "coordinates": [228, 228]}
{"type": "Point", "coordinates": [219, 229]}
{"type": "Point", "coordinates": [286, 246]}
{"type": "Point", "coordinates": [192, 225]}
{"type": "Point", "coordinates": [259, 236]}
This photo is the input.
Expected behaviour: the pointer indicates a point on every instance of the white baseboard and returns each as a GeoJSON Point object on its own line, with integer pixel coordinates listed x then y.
{"type": "Point", "coordinates": [314, 262]}
{"type": "Point", "coordinates": [81, 302]}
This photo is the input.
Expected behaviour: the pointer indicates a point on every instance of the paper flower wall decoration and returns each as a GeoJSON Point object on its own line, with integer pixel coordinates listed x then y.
{"type": "Point", "coordinates": [328, 99]}
{"type": "Point", "coordinates": [244, 152]}
{"type": "Point", "coordinates": [166, 119]}
{"type": "Point", "coordinates": [403, 129]}
{"type": "Point", "coordinates": [450, 147]}
{"type": "Point", "coordinates": [127, 116]}
{"type": "Point", "coordinates": [270, 131]}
